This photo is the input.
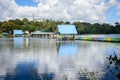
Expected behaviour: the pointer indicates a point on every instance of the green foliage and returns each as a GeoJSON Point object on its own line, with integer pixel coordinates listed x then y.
{"type": "Point", "coordinates": [8, 26]}
{"type": "Point", "coordinates": [51, 25]}
{"type": "Point", "coordinates": [114, 65]}
{"type": "Point", "coordinates": [96, 28]}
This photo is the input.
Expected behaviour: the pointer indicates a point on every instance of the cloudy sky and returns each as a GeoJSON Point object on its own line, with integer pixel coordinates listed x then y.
{"type": "Point", "coordinates": [92, 11]}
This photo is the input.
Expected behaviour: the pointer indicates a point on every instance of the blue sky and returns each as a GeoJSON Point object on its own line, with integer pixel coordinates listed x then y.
{"type": "Point", "coordinates": [26, 3]}
{"type": "Point", "coordinates": [92, 11]}
{"type": "Point", "coordinates": [111, 15]}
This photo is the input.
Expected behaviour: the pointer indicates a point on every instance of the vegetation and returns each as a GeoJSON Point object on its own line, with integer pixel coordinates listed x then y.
{"type": "Point", "coordinates": [114, 65]}
{"type": "Point", "coordinates": [50, 26]}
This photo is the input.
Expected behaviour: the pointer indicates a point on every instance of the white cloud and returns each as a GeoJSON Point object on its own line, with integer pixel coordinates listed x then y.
{"type": "Point", "coordinates": [118, 10]}
{"type": "Point", "coordinates": [10, 10]}
{"type": "Point", "coordinates": [7, 9]}
{"type": "Point", "coordinates": [68, 10]}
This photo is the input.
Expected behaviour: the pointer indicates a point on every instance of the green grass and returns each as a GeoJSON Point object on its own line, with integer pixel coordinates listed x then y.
{"type": "Point", "coordinates": [1, 35]}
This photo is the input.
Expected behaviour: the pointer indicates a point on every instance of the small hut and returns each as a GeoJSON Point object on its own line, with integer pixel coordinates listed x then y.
{"type": "Point", "coordinates": [66, 32]}
{"type": "Point", "coordinates": [18, 33]}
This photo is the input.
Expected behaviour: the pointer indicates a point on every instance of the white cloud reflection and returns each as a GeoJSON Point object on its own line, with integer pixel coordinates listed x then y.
{"type": "Point", "coordinates": [90, 56]}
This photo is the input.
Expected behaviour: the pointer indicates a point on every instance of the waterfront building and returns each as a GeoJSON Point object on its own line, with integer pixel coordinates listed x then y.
{"type": "Point", "coordinates": [18, 33]}
{"type": "Point", "coordinates": [40, 34]}
{"type": "Point", "coordinates": [66, 32]}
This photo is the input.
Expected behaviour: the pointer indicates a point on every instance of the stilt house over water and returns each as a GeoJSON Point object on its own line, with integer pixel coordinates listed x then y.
{"type": "Point", "coordinates": [66, 32]}
{"type": "Point", "coordinates": [18, 33]}
{"type": "Point", "coordinates": [40, 34]}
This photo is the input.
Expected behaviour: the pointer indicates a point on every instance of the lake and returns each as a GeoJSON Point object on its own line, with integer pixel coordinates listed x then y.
{"type": "Point", "coordinates": [48, 59]}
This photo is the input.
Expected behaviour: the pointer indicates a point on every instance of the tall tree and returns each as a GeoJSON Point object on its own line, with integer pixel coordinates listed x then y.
{"type": "Point", "coordinates": [9, 27]}
{"type": "Point", "coordinates": [117, 25]}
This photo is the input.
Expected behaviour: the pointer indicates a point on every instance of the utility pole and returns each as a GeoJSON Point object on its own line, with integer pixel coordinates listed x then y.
{"type": "Point", "coordinates": [33, 17]}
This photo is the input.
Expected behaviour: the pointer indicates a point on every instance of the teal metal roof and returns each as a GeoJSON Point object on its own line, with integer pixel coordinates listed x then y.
{"type": "Point", "coordinates": [18, 32]}
{"type": "Point", "coordinates": [67, 29]}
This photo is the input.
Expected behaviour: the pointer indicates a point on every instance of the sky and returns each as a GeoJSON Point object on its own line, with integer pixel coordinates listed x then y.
{"type": "Point", "coordinates": [92, 11]}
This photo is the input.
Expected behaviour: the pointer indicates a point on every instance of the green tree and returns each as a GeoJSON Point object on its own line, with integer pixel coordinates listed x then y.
{"type": "Point", "coordinates": [32, 28]}
{"type": "Point", "coordinates": [117, 26]}
{"type": "Point", "coordinates": [9, 27]}
{"type": "Point", "coordinates": [0, 27]}
{"type": "Point", "coordinates": [51, 25]}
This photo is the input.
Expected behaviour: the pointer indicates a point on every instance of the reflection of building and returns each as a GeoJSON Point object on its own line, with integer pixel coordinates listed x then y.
{"type": "Point", "coordinates": [40, 34]}
{"type": "Point", "coordinates": [18, 42]}
{"type": "Point", "coordinates": [67, 48]}
{"type": "Point", "coordinates": [18, 33]}
{"type": "Point", "coordinates": [67, 67]}
{"type": "Point", "coordinates": [26, 41]}
{"type": "Point", "coordinates": [66, 32]}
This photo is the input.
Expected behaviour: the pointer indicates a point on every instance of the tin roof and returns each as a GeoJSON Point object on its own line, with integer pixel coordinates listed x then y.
{"type": "Point", "coordinates": [17, 32]}
{"type": "Point", "coordinates": [67, 29]}
{"type": "Point", "coordinates": [39, 32]}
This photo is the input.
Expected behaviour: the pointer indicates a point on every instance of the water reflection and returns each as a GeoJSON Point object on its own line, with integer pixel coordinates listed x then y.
{"type": "Point", "coordinates": [23, 71]}
{"type": "Point", "coordinates": [67, 48]}
{"type": "Point", "coordinates": [27, 71]}
{"type": "Point", "coordinates": [114, 66]}
{"type": "Point", "coordinates": [41, 59]}
{"type": "Point", "coordinates": [18, 42]}
{"type": "Point", "coordinates": [67, 51]}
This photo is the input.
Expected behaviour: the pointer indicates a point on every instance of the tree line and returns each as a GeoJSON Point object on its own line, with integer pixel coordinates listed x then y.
{"type": "Point", "coordinates": [51, 26]}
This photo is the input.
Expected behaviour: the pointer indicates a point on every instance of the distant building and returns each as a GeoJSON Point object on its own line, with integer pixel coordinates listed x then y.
{"type": "Point", "coordinates": [40, 34]}
{"type": "Point", "coordinates": [26, 32]}
{"type": "Point", "coordinates": [18, 33]}
{"type": "Point", "coordinates": [66, 32]}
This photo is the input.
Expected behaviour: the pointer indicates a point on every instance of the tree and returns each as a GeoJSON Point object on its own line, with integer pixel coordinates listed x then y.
{"type": "Point", "coordinates": [0, 27]}
{"type": "Point", "coordinates": [67, 22]}
{"type": "Point", "coordinates": [32, 28]}
{"type": "Point", "coordinates": [8, 27]}
{"type": "Point", "coordinates": [51, 25]}
{"type": "Point", "coordinates": [117, 25]}
{"type": "Point", "coordinates": [25, 20]}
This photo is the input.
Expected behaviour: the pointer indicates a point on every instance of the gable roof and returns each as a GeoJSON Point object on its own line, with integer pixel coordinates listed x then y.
{"type": "Point", "coordinates": [17, 32]}
{"type": "Point", "coordinates": [67, 29]}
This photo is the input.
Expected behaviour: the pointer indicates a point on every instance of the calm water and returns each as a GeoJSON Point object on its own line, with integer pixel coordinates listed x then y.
{"type": "Point", "coordinates": [43, 59]}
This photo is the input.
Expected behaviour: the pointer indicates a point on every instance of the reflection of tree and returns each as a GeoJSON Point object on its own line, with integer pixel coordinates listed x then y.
{"type": "Point", "coordinates": [84, 74]}
{"type": "Point", "coordinates": [28, 71]}
{"type": "Point", "coordinates": [114, 65]}
{"type": "Point", "coordinates": [46, 76]}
